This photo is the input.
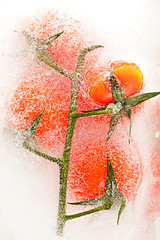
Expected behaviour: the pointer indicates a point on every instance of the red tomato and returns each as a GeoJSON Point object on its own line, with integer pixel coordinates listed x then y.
{"type": "Point", "coordinates": [88, 166]}
{"type": "Point", "coordinates": [34, 95]}
{"type": "Point", "coordinates": [65, 49]}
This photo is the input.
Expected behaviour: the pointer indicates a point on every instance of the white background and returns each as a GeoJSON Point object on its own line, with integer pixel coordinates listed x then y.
{"type": "Point", "coordinates": [28, 193]}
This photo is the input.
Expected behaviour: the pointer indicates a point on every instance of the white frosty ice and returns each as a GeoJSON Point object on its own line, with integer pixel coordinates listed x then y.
{"type": "Point", "coordinates": [28, 184]}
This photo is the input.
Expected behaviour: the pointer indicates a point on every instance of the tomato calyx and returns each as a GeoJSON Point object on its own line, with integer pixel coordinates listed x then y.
{"type": "Point", "coordinates": [30, 130]}
{"type": "Point", "coordinates": [41, 47]}
{"type": "Point", "coordinates": [110, 196]}
{"type": "Point", "coordinates": [126, 104]}
{"type": "Point", "coordinates": [29, 144]}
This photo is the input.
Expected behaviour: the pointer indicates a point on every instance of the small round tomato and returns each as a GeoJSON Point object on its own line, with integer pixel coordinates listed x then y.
{"type": "Point", "coordinates": [65, 49]}
{"type": "Point", "coordinates": [88, 167]}
{"type": "Point", "coordinates": [128, 75]}
{"type": "Point", "coordinates": [34, 95]}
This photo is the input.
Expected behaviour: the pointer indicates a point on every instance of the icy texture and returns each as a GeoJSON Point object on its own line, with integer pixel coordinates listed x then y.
{"type": "Point", "coordinates": [29, 184]}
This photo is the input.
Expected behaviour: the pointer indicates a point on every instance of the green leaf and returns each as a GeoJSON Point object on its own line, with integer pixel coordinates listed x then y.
{"type": "Point", "coordinates": [30, 130]}
{"type": "Point", "coordinates": [117, 92]}
{"type": "Point", "coordinates": [113, 122]}
{"type": "Point", "coordinates": [123, 205]}
{"type": "Point", "coordinates": [51, 39]}
{"type": "Point", "coordinates": [135, 100]}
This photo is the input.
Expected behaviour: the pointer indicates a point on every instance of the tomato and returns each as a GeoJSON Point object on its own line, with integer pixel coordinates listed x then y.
{"type": "Point", "coordinates": [39, 92]}
{"type": "Point", "coordinates": [51, 94]}
{"type": "Point", "coordinates": [88, 166]}
{"type": "Point", "coordinates": [27, 101]}
{"type": "Point", "coordinates": [65, 49]}
{"type": "Point", "coordinates": [34, 95]}
{"type": "Point", "coordinates": [85, 102]}
{"type": "Point", "coordinates": [128, 75]}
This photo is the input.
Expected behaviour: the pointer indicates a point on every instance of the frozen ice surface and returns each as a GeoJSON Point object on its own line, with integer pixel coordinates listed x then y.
{"type": "Point", "coordinates": [28, 184]}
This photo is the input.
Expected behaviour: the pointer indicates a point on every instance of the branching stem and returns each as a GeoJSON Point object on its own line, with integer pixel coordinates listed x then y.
{"type": "Point", "coordinates": [91, 113]}
{"type": "Point", "coordinates": [81, 214]}
{"type": "Point", "coordinates": [53, 64]}
{"type": "Point", "coordinates": [41, 154]}
{"type": "Point", "coordinates": [61, 219]}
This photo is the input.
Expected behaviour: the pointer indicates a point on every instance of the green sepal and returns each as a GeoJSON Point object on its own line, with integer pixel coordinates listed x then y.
{"type": "Point", "coordinates": [93, 201]}
{"type": "Point", "coordinates": [111, 184]}
{"type": "Point", "coordinates": [30, 130]}
{"type": "Point", "coordinates": [113, 122]}
{"type": "Point", "coordinates": [41, 47]}
{"type": "Point", "coordinates": [48, 41]}
{"type": "Point", "coordinates": [117, 92]}
{"type": "Point", "coordinates": [135, 100]}
{"type": "Point", "coordinates": [122, 207]}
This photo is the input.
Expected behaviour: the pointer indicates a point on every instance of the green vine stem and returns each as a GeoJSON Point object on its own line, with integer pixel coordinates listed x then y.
{"type": "Point", "coordinates": [106, 206]}
{"type": "Point", "coordinates": [53, 64]}
{"type": "Point", "coordinates": [109, 109]}
{"type": "Point", "coordinates": [68, 140]}
{"type": "Point", "coordinates": [40, 154]}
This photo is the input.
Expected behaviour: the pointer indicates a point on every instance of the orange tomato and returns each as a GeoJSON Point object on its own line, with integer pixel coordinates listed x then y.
{"type": "Point", "coordinates": [128, 75]}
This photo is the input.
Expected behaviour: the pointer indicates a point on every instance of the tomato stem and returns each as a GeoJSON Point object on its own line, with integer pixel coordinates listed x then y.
{"type": "Point", "coordinates": [81, 214]}
{"type": "Point", "coordinates": [91, 113]}
{"type": "Point", "coordinates": [53, 64]}
{"type": "Point", "coordinates": [82, 54]}
{"type": "Point", "coordinates": [68, 139]}
{"type": "Point", "coordinates": [106, 206]}
{"type": "Point", "coordinates": [41, 154]}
